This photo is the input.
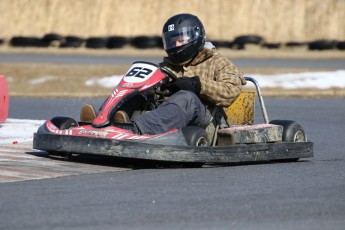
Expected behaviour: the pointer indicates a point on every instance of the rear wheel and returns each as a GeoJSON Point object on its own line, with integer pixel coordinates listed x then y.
{"type": "Point", "coordinates": [292, 132]}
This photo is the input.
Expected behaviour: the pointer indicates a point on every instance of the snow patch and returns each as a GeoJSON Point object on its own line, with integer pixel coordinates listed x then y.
{"type": "Point", "coordinates": [15, 131]}
{"type": "Point", "coordinates": [42, 80]}
{"type": "Point", "coordinates": [106, 82]}
{"type": "Point", "coordinates": [319, 80]}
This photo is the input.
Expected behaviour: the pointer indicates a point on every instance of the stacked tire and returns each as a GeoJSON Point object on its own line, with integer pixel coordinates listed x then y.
{"type": "Point", "coordinates": [240, 42]}
{"type": "Point", "coordinates": [341, 45]}
{"type": "Point", "coordinates": [322, 45]}
{"type": "Point", "coordinates": [222, 43]}
{"type": "Point", "coordinates": [147, 42]}
{"type": "Point", "coordinates": [150, 42]}
{"type": "Point", "coordinates": [72, 42]}
{"type": "Point", "coordinates": [117, 42]}
{"type": "Point", "coordinates": [20, 41]}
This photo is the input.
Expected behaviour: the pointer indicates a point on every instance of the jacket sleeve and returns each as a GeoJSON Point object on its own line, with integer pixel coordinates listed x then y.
{"type": "Point", "coordinates": [224, 86]}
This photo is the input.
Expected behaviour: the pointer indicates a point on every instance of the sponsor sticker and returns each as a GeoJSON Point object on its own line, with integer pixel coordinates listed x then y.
{"type": "Point", "coordinates": [171, 27]}
{"type": "Point", "coordinates": [93, 133]}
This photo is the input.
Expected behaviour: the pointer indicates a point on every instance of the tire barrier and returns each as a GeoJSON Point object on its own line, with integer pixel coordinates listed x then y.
{"type": "Point", "coordinates": [20, 41]}
{"type": "Point", "coordinates": [322, 45]}
{"type": "Point", "coordinates": [96, 42]}
{"type": "Point", "coordinates": [241, 41]}
{"type": "Point", "coordinates": [248, 39]}
{"type": "Point", "coordinates": [72, 42]}
{"type": "Point", "coordinates": [4, 99]}
{"type": "Point", "coordinates": [295, 44]}
{"type": "Point", "coordinates": [52, 39]}
{"type": "Point", "coordinates": [222, 43]}
{"type": "Point", "coordinates": [116, 42]}
{"type": "Point", "coordinates": [341, 45]}
{"type": "Point", "coordinates": [146, 42]}
{"type": "Point", "coordinates": [268, 45]}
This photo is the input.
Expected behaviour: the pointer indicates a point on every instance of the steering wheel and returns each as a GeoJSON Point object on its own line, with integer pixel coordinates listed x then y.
{"type": "Point", "coordinates": [171, 76]}
{"type": "Point", "coordinates": [168, 73]}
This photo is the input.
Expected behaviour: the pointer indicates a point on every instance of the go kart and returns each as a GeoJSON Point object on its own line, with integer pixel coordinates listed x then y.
{"type": "Point", "coordinates": [231, 137]}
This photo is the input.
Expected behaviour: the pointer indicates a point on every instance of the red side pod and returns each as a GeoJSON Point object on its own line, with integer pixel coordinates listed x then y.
{"type": "Point", "coordinates": [4, 99]}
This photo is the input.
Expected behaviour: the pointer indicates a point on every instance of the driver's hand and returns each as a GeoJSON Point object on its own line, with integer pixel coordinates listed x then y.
{"type": "Point", "coordinates": [185, 83]}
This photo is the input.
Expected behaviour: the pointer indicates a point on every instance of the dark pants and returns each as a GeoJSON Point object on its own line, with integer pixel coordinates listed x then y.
{"type": "Point", "coordinates": [183, 108]}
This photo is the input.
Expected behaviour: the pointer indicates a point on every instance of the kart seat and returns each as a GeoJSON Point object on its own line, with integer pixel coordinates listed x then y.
{"type": "Point", "coordinates": [240, 112]}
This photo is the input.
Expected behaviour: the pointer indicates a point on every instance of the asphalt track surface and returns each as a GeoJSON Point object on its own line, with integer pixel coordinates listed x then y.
{"type": "Point", "coordinates": [125, 60]}
{"type": "Point", "coordinates": [308, 194]}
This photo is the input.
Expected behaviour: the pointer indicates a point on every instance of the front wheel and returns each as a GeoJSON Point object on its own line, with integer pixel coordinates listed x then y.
{"type": "Point", "coordinates": [64, 122]}
{"type": "Point", "coordinates": [196, 136]}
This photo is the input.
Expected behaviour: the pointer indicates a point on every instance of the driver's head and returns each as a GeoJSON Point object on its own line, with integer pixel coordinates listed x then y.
{"type": "Point", "coordinates": [183, 37]}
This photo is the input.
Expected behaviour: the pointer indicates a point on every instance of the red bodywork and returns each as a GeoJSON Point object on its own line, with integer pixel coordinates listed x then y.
{"type": "Point", "coordinates": [140, 77]}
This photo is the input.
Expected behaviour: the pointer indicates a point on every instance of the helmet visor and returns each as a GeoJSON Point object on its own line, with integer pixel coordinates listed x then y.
{"type": "Point", "coordinates": [179, 37]}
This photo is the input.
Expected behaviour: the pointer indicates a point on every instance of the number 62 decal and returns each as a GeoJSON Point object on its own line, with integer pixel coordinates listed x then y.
{"type": "Point", "coordinates": [139, 72]}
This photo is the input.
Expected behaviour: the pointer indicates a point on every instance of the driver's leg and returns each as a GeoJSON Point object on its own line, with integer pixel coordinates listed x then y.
{"type": "Point", "coordinates": [181, 109]}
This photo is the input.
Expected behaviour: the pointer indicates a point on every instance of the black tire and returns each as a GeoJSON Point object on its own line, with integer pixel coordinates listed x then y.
{"type": "Point", "coordinates": [341, 45]}
{"type": "Point", "coordinates": [295, 44]}
{"type": "Point", "coordinates": [248, 39]}
{"type": "Point", "coordinates": [222, 44]}
{"type": "Point", "coordinates": [96, 42]}
{"type": "Point", "coordinates": [72, 42]}
{"type": "Point", "coordinates": [52, 37]}
{"type": "Point", "coordinates": [1, 41]}
{"type": "Point", "coordinates": [20, 41]}
{"type": "Point", "coordinates": [147, 42]}
{"type": "Point", "coordinates": [292, 132]}
{"type": "Point", "coordinates": [239, 46]}
{"type": "Point", "coordinates": [196, 136]}
{"type": "Point", "coordinates": [322, 45]}
{"type": "Point", "coordinates": [64, 122]}
{"type": "Point", "coordinates": [271, 45]}
{"type": "Point", "coordinates": [116, 42]}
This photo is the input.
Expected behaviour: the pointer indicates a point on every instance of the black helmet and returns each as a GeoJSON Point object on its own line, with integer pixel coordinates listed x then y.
{"type": "Point", "coordinates": [183, 37]}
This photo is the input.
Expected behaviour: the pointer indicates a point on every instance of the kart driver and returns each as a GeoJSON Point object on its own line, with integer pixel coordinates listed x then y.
{"type": "Point", "coordinates": [205, 79]}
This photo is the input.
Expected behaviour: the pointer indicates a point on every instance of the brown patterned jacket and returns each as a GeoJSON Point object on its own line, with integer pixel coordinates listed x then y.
{"type": "Point", "coordinates": [221, 81]}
